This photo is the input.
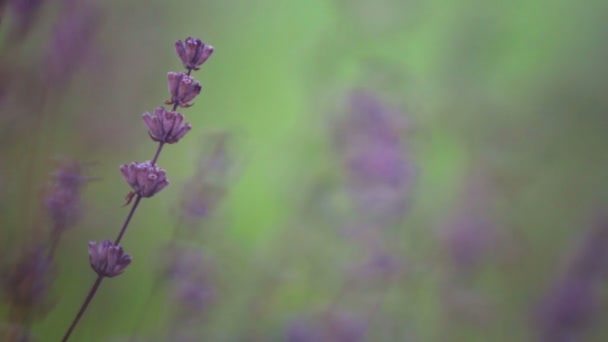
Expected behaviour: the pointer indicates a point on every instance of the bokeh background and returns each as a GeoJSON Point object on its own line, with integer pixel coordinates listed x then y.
{"type": "Point", "coordinates": [357, 170]}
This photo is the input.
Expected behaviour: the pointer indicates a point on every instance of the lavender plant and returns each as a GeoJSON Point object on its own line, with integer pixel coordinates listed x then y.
{"type": "Point", "coordinates": [25, 282]}
{"type": "Point", "coordinates": [189, 273]}
{"type": "Point", "coordinates": [146, 179]}
{"type": "Point", "coordinates": [572, 304]}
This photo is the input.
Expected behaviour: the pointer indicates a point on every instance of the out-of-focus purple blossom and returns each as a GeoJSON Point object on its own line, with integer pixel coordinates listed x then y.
{"type": "Point", "coordinates": [302, 331]}
{"type": "Point", "coordinates": [183, 89]}
{"type": "Point", "coordinates": [567, 310]}
{"type": "Point", "coordinates": [345, 327]}
{"type": "Point", "coordinates": [193, 53]}
{"type": "Point", "coordinates": [200, 199]}
{"type": "Point", "coordinates": [64, 202]}
{"type": "Point", "coordinates": [469, 238]}
{"type": "Point", "coordinates": [571, 305]}
{"type": "Point", "coordinates": [462, 303]}
{"type": "Point", "coordinates": [590, 260]}
{"type": "Point", "coordinates": [107, 259]}
{"type": "Point", "coordinates": [192, 293]}
{"type": "Point", "coordinates": [191, 279]}
{"type": "Point", "coordinates": [166, 126]}
{"type": "Point", "coordinates": [207, 187]}
{"type": "Point", "coordinates": [144, 178]}
{"type": "Point", "coordinates": [16, 333]}
{"type": "Point", "coordinates": [380, 172]}
{"type": "Point", "coordinates": [27, 283]}
{"type": "Point", "coordinates": [469, 234]}
{"type": "Point", "coordinates": [381, 266]}
{"type": "Point", "coordinates": [332, 326]}
{"type": "Point", "coordinates": [24, 13]}
{"type": "Point", "coordinates": [71, 41]}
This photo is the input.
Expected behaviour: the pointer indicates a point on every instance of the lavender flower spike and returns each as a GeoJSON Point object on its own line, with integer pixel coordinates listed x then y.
{"type": "Point", "coordinates": [182, 88]}
{"type": "Point", "coordinates": [166, 126]}
{"type": "Point", "coordinates": [145, 179]}
{"type": "Point", "coordinates": [107, 259]}
{"type": "Point", "coordinates": [193, 52]}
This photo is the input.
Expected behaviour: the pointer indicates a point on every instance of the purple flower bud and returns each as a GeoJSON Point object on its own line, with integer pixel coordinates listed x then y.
{"type": "Point", "coordinates": [144, 178]}
{"type": "Point", "coordinates": [107, 259]}
{"type": "Point", "coordinates": [193, 53]}
{"type": "Point", "coordinates": [182, 88]}
{"type": "Point", "coordinates": [166, 126]}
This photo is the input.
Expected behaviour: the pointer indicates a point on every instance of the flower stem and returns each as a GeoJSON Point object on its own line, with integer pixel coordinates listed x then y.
{"type": "Point", "coordinates": [95, 286]}
{"type": "Point", "coordinates": [126, 224]}
{"type": "Point", "coordinates": [160, 148]}
{"type": "Point", "coordinates": [83, 308]}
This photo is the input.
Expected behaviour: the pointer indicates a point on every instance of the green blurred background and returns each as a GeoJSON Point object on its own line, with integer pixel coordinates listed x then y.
{"type": "Point", "coordinates": [516, 89]}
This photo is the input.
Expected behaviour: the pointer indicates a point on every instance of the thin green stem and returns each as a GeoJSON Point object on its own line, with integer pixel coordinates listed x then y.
{"type": "Point", "coordinates": [126, 224]}
{"type": "Point", "coordinates": [83, 308]}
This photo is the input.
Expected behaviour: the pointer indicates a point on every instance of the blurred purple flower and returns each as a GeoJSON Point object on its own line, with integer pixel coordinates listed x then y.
{"type": "Point", "coordinates": [469, 238]}
{"type": "Point", "coordinates": [331, 326]}
{"type": "Point", "coordinates": [71, 42]}
{"type": "Point", "coordinates": [190, 276]}
{"type": "Point", "coordinates": [572, 304]}
{"type": "Point", "coordinates": [166, 126]}
{"type": "Point", "coordinates": [182, 88]}
{"type": "Point", "coordinates": [469, 234]}
{"type": "Point", "coordinates": [590, 260]}
{"type": "Point", "coordinates": [344, 327]}
{"type": "Point", "coordinates": [302, 331]}
{"type": "Point", "coordinates": [27, 283]}
{"type": "Point", "coordinates": [25, 13]}
{"type": "Point", "coordinates": [567, 310]}
{"type": "Point", "coordinates": [380, 173]}
{"type": "Point", "coordinates": [192, 293]}
{"type": "Point", "coordinates": [207, 187]}
{"type": "Point", "coordinates": [16, 333]}
{"type": "Point", "coordinates": [193, 53]}
{"type": "Point", "coordinates": [144, 178]}
{"type": "Point", "coordinates": [107, 259]}
{"type": "Point", "coordinates": [381, 266]}
{"type": "Point", "coordinates": [64, 202]}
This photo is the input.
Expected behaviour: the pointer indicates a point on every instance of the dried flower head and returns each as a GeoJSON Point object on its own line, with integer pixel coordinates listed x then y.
{"type": "Point", "coordinates": [182, 88]}
{"type": "Point", "coordinates": [193, 52]}
{"type": "Point", "coordinates": [107, 259]}
{"type": "Point", "coordinates": [166, 126]}
{"type": "Point", "coordinates": [144, 178]}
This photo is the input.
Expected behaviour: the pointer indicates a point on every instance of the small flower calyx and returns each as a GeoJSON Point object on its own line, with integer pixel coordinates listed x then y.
{"type": "Point", "coordinates": [193, 52]}
{"type": "Point", "coordinates": [182, 88]}
{"type": "Point", "coordinates": [144, 178]}
{"type": "Point", "coordinates": [166, 126]}
{"type": "Point", "coordinates": [107, 259]}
